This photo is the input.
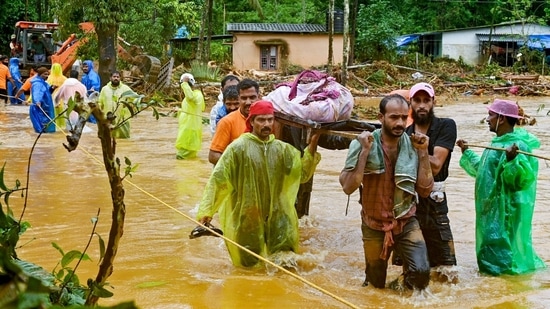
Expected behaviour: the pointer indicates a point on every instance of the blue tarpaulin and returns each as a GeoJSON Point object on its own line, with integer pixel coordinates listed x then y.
{"type": "Point", "coordinates": [405, 39]}
{"type": "Point", "coordinates": [538, 41]}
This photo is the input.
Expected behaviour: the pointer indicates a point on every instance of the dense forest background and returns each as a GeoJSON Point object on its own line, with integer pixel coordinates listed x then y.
{"type": "Point", "coordinates": [373, 23]}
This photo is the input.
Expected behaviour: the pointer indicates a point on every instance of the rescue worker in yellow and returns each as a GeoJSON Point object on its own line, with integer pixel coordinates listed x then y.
{"type": "Point", "coordinates": [189, 139]}
{"type": "Point", "coordinates": [253, 189]}
{"type": "Point", "coordinates": [110, 100]}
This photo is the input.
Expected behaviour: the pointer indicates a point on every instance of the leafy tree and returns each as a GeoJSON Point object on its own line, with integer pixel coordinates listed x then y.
{"type": "Point", "coordinates": [377, 26]}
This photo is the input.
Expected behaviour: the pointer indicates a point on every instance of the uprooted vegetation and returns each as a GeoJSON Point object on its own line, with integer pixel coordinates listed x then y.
{"type": "Point", "coordinates": [450, 78]}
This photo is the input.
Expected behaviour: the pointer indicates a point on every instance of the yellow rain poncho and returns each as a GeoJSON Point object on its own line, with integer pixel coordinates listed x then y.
{"type": "Point", "coordinates": [110, 101]}
{"type": "Point", "coordinates": [505, 194]}
{"type": "Point", "coordinates": [56, 79]}
{"type": "Point", "coordinates": [189, 139]}
{"type": "Point", "coordinates": [253, 189]}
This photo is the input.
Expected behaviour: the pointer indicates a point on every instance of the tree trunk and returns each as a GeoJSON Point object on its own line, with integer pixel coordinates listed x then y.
{"type": "Point", "coordinates": [107, 43]}
{"type": "Point", "coordinates": [112, 166]}
{"type": "Point", "coordinates": [344, 78]}
{"type": "Point", "coordinates": [330, 30]}
{"type": "Point", "coordinates": [353, 31]}
{"type": "Point", "coordinates": [209, 30]}
{"type": "Point", "coordinates": [200, 42]}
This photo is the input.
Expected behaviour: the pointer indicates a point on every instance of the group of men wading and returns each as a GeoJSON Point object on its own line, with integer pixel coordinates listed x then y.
{"type": "Point", "coordinates": [401, 170]}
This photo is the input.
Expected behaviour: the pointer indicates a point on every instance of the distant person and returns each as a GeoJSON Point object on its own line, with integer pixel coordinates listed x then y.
{"type": "Point", "coordinates": [41, 110]}
{"type": "Point", "coordinates": [230, 102]}
{"type": "Point", "coordinates": [189, 140]}
{"type": "Point", "coordinates": [233, 125]}
{"type": "Point", "coordinates": [55, 80]}
{"type": "Point", "coordinates": [5, 76]}
{"type": "Point", "coordinates": [91, 80]}
{"type": "Point", "coordinates": [15, 47]}
{"type": "Point", "coordinates": [405, 93]}
{"type": "Point", "coordinates": [38, 49]}
{"type": "Point", "coordinates": [70, 87]}
{"type": "Point", "coordinates": [48, 42]}
{"type": "Point", "coordinates": [13, 88]}
{"type": "Point", "coordinates": [253, 187]}
{"type": "Point", "coordinates": [218, 112]}
{"type": "Point", "coordinates": [392, 168]}
{"type": "Point", "coordinates": [505, 193]}
{"type": "Point", "coordinates": [111, 100]}
{"type": "Point", "coordinates": [26, 88]}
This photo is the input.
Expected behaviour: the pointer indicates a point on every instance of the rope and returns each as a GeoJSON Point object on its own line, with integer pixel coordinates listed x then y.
{"type": "Point", "coordinates": [504, 149]}
{"type": "Point", "coordinates": [303, 280]}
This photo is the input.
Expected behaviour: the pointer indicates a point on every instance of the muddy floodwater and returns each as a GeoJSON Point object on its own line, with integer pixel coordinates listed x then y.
{"type": "Point", "coordinates": [158, 266]}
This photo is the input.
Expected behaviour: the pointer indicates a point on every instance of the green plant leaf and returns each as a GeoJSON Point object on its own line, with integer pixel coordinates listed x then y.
{"type": "Point", "coordinates": [73, 255]}
{"type": "Point", "coordinates": [56, 246]}
{"type": "Point", "coordinates": [2, 184]}
{"type": "Point", "coordinates": [101, 247]}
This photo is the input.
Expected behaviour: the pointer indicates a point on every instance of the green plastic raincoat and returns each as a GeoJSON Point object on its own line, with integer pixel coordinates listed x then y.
{"type": "Point", "coordinates": [253, 188]}
{"type": "Point", "coordinates": [189, 139]}
{"type": "Point", "coordinates": [505, 194]}
{"type": "Point", "coordinates": [110, 101]}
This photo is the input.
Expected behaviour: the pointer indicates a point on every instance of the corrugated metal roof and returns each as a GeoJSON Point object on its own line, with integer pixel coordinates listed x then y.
{"type": "Point", "coordinates": [289, 28]}
{"type": "Point", "coordinates": [484, 37]}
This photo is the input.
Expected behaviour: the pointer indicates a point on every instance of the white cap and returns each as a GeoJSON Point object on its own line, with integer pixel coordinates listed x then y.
{"type": "Point", "coordinates": [189, 76]}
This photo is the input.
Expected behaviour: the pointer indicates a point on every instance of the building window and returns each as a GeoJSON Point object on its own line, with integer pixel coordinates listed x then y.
{"type": "Point", "coordinates": [268, 57]}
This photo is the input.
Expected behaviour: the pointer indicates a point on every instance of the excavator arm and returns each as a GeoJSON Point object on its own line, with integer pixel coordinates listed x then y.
{"type": "Point", "coordinates": [146, 67]}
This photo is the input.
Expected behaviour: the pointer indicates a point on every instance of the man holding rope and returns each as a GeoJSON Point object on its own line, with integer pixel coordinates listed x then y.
{"type": "Point", "coordinates": [253, 188]}
{"type": "Point", "coordinates": [505, 192]}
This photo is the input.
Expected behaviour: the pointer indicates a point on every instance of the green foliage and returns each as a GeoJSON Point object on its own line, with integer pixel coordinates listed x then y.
{"type": "Point", "coordinates": [204, 72]}
{"type": "Point", "coordinates": [491, 69]}
{"type": "Point", "coordinates": [377, 26]}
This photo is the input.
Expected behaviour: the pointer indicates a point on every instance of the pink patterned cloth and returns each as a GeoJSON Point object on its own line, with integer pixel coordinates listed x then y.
{"type": "Point", "coordinates": [313, 96]}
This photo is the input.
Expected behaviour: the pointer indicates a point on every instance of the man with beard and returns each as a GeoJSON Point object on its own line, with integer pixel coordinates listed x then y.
{"type": "Point", "coordinates": [91, 80]}
{"type": "Point", "coordinates": [393, 168]}
{"type": "Point", "coordinates": [253, 188]}
{"type": "Point", "coordinates": [505, 192]}
{"type": "Point", "coordinates": [111, 100]}
{"type": "Point", "coordinates": [431, 211]}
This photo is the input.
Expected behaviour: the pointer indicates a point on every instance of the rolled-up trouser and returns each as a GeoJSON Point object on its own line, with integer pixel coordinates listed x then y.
{"type": "Point", "coordinates": [409, 245]}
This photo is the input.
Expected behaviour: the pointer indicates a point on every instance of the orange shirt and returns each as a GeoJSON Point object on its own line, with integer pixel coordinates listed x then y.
{"type": "Point", "coordinates": [4, 76]}
{"type": "Point", "coordinates": [27, 84]}
{"type": "Point", "coordinates": [228, 129]}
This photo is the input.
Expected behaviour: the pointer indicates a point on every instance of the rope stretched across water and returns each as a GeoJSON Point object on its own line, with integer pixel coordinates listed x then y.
{"type": "Point", "coordinates": [504, 149]}
{"type": "Point", "coordinates": [303, 280]}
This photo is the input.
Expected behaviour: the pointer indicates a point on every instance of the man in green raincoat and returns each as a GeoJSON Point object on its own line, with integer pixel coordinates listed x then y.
{"type": "Point", "coordinates": [253, 189]}
{"type": "Point", "coordinates": [505, 191]}
{"type": "Point", "coordinates": [110, 100]}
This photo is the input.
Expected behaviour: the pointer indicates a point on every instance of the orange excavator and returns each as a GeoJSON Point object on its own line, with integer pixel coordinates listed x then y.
{"type": "Point", "coordinates": [145, 67]}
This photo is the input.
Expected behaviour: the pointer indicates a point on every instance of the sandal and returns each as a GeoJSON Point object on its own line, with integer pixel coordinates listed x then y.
{"type": "Point", "coordinates": [202, 231]}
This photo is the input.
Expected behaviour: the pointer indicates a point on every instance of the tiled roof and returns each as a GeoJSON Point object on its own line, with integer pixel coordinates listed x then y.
{"type": "Point", "coordinates": [289, 28]}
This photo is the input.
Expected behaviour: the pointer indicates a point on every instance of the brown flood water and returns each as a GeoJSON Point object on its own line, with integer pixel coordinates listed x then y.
{"type": "Point", "coordinates": [158, 266]}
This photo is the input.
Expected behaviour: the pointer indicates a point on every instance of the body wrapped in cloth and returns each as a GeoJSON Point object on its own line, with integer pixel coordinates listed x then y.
{"type": "Point", "coordinates": [313, 96]}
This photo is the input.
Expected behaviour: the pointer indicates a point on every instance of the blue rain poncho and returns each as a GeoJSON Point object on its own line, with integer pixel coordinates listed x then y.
{"type": "Point", "coordinates": [91, 79]}
{"type": "Point", "coordinates": [41, 116]}
{"type": "Point", "coordinates": [189, 138]}
{"type": "Point", "coordinates": [16, 75]}
{"type": "Point", "coordinates": [253, 189]}
{"type": "Point", "coordinates": [505, 193]}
